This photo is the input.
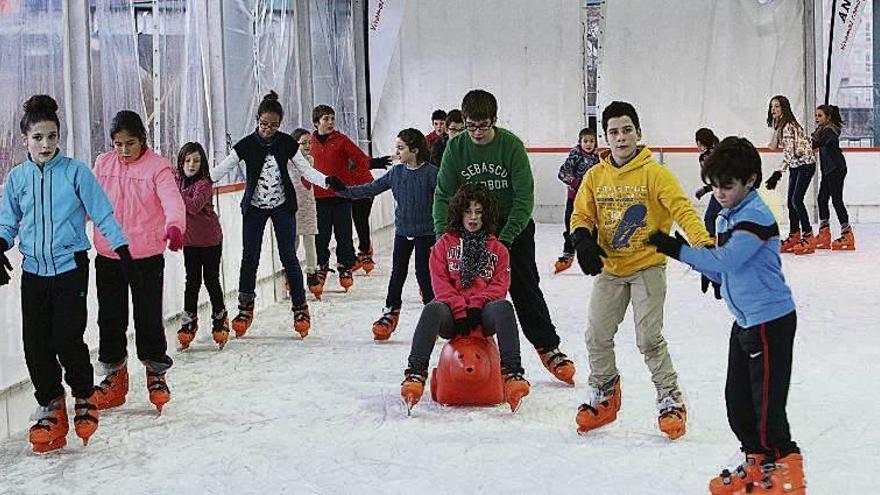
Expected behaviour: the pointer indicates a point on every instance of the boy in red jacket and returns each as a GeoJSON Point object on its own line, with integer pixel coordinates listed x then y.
{"type": "Point", "coordinates": [335, 154]}
{"type": "Point", "coordinates": [470, 274]}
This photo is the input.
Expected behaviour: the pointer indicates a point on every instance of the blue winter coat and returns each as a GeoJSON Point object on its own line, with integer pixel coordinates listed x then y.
{"type": "Point", "coordinates": [46, 208]}
{"type": "Point", "coordinates": [746, 262]}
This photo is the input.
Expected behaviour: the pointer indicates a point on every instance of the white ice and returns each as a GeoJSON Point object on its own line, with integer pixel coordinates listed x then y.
{"type": "Point", "coordinates": [276, 414]}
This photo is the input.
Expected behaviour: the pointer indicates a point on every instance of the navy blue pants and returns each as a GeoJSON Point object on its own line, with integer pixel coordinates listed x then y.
{"type": "Point", "coordinates": [253, 226]}
{"type": "Point", "coordinates": [798, 182]}
{"type": "Point", "coordinates": [403, 249]}
{"type": "Point", "coordinates": [758, 377]}
{"type": "Point", "coordinates": [567, 246]}
{"type": "Point", "coordinates": [831, 187]}
{"type": "Point", "coordinates": [334, 219]}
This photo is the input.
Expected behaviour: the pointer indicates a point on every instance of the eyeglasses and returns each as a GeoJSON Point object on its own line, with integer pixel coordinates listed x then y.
{"type": "Point", "coordinates": [455, 129]}
{"type": "Point", "coordinates": [482, 126]}
{"type": "Point", "coordinates": [269, 125]}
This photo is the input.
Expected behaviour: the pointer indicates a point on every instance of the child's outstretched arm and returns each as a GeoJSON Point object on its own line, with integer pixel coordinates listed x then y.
{"type": "Point", "coordinates": [224, 167]}
{"type": "Point", "coordinates": [671, 196]}
{"type": "Point", "coordinates": [745, 241]}
{"type": "Point", "coordinates": [370, 189]}
{"type": "Point", "coordinates": [305, 169]}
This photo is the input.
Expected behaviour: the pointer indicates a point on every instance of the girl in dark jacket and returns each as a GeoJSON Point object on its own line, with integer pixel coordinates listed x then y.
{"type": "Point", "coordinates": [826, 140]}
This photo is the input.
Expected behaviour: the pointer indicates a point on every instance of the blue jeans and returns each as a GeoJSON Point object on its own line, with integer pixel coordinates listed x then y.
{"type": "Point", "coordinates": [798, 182]}
{"type": "Point", "coordinates": [403, 248]}
{"type": "Point", "coordinates": [253, 225]}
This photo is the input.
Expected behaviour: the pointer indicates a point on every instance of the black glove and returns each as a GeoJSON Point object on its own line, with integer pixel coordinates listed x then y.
{"type": "Point", "coordinates": [773, 180]}
{"type": "Point", "coordinates": [127, 264]}
{"type": "Point", "coordinates": [666, 244]}
{"type": "Point", "coordinates": [382, 162]}
{"type": "Point", "coordinates": [5, 265]}
{"type": "Point", "coordinates": [705, 282]}
{"type": "Point", "coordinates": [702, 192]}
{"type": "Point", "coordinates": [474, 317]}
{"type": "Point", "coordinates": [335, 183]}
{"type": "Point", "coordinates": [589, 253]}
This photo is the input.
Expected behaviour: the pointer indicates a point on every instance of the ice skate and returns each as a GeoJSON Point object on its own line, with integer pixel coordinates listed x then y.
{"type": "Point", "coordinates": [785, 476]}
{"type": "Point", "coordinates": [412, 387]}
{"type": "Point", "coordinates": [558, 364]}
{"type": "Point", "coordinates": [602, 407]}
{"type": "Point", "coordinates": [366, 261]}
{"type": "Point", "coordinates": [345, 279]}
{"type": "Point", "coordinates": [160, 394]}
{"type": "Point", "coordinates": [673, 415]}
{"type": "Point", "coordinates": [846, 241]}
{"type": "Point", "coordinates": [823, 240]}
{"type": "Point", "coordinates": [806, 246]}
{"type": "Point", "coordinates": [729, 481]}
{"type": "Point", "coordinates": [386, 324]}
{"type": "Point", "coordinates": [188, 329]}
{"type": "Point", "coordinates": [315, 283]}
{"type": "Point", "coordinates": [112, 390]}
{"type": "Point", "coordinates": [302, 320]}
{"type": "Point", "coordinates": [790, 242]}
{"type": "Point", "coordinates": [50, 431]}
{"type": "Point", "coordinates": [85, 419]}
{"type": "Point", "coordinates": [242, 322]}
{"type": "Point", "coordinates": [220, 328]}
{"type": "Point", "coordinates": [515, 388]}
{"type": "Point", "coordinates": [563, 263]}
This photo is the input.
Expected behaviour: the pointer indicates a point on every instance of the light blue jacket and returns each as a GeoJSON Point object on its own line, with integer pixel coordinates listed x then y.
{"type": "Point", "coordinates": [746, 263]}
{"type": "Point", "coordinates": [46, 208]}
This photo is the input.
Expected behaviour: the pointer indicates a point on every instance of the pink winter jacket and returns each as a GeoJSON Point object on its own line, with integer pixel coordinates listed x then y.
{"type": "Point", "coordinates": [145, 199]}
{"type": "Point", "coordinates": [491, 285]}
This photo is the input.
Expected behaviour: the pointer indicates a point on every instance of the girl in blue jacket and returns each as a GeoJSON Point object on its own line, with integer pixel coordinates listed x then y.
{"type": "Point", "coordinates": [746, 263]}
{"type": "Point", "coordinates": [45, 202]}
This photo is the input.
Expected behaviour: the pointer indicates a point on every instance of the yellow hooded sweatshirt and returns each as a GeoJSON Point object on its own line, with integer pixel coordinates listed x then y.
{"type": "Point", "coordinates": [627, 204]}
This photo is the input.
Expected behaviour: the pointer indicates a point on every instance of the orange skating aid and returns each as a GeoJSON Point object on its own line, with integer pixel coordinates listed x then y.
{"type": "Point", "coordinates": [85, 419]}
{"type": "Point", "coordinates": [469, 372]}
{"type": "Point", "coordinates": [601, 409]}
{"type": "Point", "coordinates": [50, 431]}
{"type": "Point", "coordinates": [111, 392]}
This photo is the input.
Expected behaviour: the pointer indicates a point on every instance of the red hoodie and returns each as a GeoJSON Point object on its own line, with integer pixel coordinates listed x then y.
{"type": "Point", "coordinates": [332, 157]}
{"type": "Point", "coordinates": [490, 285]}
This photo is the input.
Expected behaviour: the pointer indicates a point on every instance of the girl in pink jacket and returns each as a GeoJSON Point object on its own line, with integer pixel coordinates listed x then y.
{"type": "Point", "coordinates": [147, 203]}
{"type": "Point", "coordinates": [470, 275]}
{"type": "Point", "coordinates": [202, 246]}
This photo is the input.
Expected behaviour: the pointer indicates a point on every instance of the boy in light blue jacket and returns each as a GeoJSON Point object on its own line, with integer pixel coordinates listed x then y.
{"type": "Point", "coordinates": [746, 263]}
{"type": "Point", "coordinates": [45, 203]}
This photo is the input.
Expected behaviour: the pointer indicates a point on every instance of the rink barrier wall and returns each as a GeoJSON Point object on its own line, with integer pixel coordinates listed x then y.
{"type": "Point", "coordinates": [16, 399]}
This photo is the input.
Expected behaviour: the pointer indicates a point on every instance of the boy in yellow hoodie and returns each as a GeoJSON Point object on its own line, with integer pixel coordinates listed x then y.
{"type": "Point", "coordinates": [621, 200]}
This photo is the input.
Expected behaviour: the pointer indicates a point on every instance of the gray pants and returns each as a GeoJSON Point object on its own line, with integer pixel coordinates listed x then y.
{"type": "Point", "coordinates": [610, 298]}
{"type": "Point", "coordinates": [437, 319]}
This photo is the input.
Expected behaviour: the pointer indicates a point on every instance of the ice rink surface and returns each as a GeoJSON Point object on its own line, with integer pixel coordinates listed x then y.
{"type": "Point", "coordinates": [276, 414]}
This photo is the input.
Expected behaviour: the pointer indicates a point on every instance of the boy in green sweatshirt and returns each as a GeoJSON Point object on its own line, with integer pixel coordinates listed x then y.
{"type": "Point", "coordinates": [494, 156]}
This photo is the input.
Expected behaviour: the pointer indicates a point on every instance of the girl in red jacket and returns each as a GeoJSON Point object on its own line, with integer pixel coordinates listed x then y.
{"type": "Point", "coordinates": [202, 246]}
{"type": "Point", "coordinates": [470, 275]}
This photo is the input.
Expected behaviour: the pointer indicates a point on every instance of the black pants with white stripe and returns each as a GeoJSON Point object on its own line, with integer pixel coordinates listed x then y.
{"type": "Point", "coordinates": [758, 376]}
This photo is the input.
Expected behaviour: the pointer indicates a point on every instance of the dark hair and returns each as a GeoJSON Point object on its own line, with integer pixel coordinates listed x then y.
{"type": "Point", "coordinates": [298, 133]}
{"type": "Point", "coordinates": [586, 131]}
{"type": "Point", "coordinates": [39, 108]}
{"type": "Point", "coordinates": [193, 147]}
{"type": "Point", "coordinates": [833, 113]}
{"type": "Point", "coordinates": [462, 200]}
{"type": "Point", "coordinates": [478, 104]}
{"type": "Point", "coordinates": [733, 158]}
{"type": "Point", "coordinates": [454, 116]}
{"type": "Point", "coordinates": [787, 114]}
{"type": "Point", "coordinates": [706, 137]}
{"type": "Point", "coordinates": [438, 115]}
{"type": "Point", "coordinates": [130, 122]}
{"type": "Point", "coordinates": [320, 111]}
{"type": "Point", "coordinates": [620, 109]}
{"type": "Point", "coordinates": [270, 104]}
{"type": "Point", "coordinates": [414, 139]}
